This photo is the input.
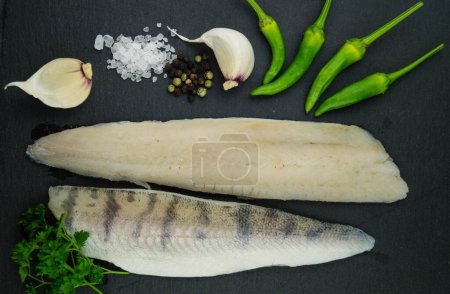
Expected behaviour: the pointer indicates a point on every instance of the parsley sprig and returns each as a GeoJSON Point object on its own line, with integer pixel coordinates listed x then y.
{"type": "Point", "coordinates": [51, 259]}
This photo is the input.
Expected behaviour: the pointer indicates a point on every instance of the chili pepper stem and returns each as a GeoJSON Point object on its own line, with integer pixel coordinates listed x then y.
{"type": "Point", "coordinates": [320, 22]}
{"type": "Point", "coordinates": [398, 74]}
{"type": "Point", "coordinates": [258, 10]}
{"type": "Point", "coordinates": [368, 40]}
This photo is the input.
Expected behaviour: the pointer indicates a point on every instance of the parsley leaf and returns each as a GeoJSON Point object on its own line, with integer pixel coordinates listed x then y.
{"type": "Point", "coordinates": [50, 259]}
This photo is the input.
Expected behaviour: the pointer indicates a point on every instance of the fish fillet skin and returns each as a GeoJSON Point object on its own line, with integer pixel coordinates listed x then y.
{"type": "Point", "coordinates": [284, 160]}
{"type": "Point", "coordinates": [166, 234]}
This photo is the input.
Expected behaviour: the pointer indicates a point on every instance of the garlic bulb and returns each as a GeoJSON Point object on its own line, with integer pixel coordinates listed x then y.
{"type": "Point", "coordinates": [233, 52]}
{"type": "Point", "coordinates": [61, 83]}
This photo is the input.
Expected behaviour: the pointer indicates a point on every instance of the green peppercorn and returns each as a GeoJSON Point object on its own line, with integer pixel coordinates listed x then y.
{"type": "Point", "coordinates": [198, 59]}
{"type": "Point", "coordinates": [209, 75]}
{"type": "Point", "coordinates": [183, 77]}
{"type": "Point", "coordinates": [176, 82]}
{"type": "Point", "coordinates": [188, 81]}
{"type": "Point", "coordinates": [208, 84]}
{"type": "Point", "coordinates": [201, 92]}
{"type": "Point", "coordinates": [171, 88]}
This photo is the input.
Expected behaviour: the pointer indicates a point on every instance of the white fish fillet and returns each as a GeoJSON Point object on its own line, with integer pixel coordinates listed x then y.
{"type": "Point", "coordinates": [166, 234]}
{"type": "Point", "coordinates": [280, 160]}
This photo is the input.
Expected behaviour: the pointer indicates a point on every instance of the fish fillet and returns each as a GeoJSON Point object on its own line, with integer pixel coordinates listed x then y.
{"type": "Point", "coordinates": [255, 158]}
{"type": "Point", "coordinates": [166, 234]}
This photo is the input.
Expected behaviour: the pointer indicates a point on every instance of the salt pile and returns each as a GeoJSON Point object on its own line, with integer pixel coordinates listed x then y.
{"type": "Point", "coordinates": [140, 57]}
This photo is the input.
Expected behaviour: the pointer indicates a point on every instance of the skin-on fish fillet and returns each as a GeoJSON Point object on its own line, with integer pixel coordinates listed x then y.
{"type": "Point", "coordinates": [166, 234]}
{"type": "Point", "coordinates": [255, 158]}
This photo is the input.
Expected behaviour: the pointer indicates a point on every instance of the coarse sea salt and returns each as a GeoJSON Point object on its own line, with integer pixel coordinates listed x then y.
{"type": "Point", "coordinates": [98, 44]}
{"type": "Point", "coordinates": [136, 58]}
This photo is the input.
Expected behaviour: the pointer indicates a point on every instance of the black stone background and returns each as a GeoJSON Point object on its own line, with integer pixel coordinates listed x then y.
{"type": "Point", "coordinates": [412, 251]}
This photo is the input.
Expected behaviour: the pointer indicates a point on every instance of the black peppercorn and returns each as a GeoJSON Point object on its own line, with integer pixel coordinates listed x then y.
{"type": "Point", "coordinates": [177, 92]}
{"type": "Point", "coordinates": [190, 64]}
{"type": "Point", "coordinates": [178, 73]}
{"type": "Point", "coordinates": [168, 67]}
{"type": "Point", "coordinates": [206, 66]}
{"type": "Point", "coordinates": [205, 56]}
{"type": "Point", "coordinates": [193, 76]}
{"type": "Point", "coordinates": [201, 81]}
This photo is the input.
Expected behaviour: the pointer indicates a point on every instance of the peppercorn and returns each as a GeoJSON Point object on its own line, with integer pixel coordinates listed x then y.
{"type": "Point", "coordinates": [190, 64]}
{"type": "Point", "coordinates": [188, 72]}
{"type": "Point", "coordinates": [193, 76]}
{"type": "Point", "coordinates": [205, 56]}
{"type": "Point", "coordinates": [206, 66]}
{"type": "Point", "coordinates": [209, 75]}
{"type": "Point", "coordinates": [198, 59]}
{"type": "Point", "coordinates": [178, 73]}
{"type": "Point", "coordinates": [171, 88]}
{"type": "Point", "coordinates": [208, 84]}
{"type": "Point", "coordinates": [177, 92]}
{"type": "Point", "coordinates": [176, 62]}
{"type": "Point", "coordinates": [190, 87]}
{"type": "Point", "coordinates": [181, 56]}
{"type": "Point", "coordinates": [188, 81]}
{"type": "Point", "coordinates": [194, 70]}
{"type": "Point", "coordinates": [201, 92]}
{"type": "Point", "coordinates": [201, 81]}
{"type": "Point", "coordinates": [184, 89]}
{"type": "Point", "coordinates": [183, 66]}
{"type": "Point", "coordinates": [183, 77]}
{"type": "Point", "coordinates": [176, 82]}
{"type": "Point", "coordinates": [168, 67]}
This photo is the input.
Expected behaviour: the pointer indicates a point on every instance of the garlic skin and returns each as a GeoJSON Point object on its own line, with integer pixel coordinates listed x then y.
{"type": "Point", "coordinates": [233, 52]}
{"type": "Point", "coordinates": [61, 83]}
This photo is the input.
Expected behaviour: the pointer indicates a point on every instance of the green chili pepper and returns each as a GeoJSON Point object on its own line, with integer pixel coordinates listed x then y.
{"type": "Point", "coordinates": [351, 52]}
{"type": "Point", "coordinates": [271, 31]}
{"type": "Point", "coordinates": [312, 42]}
{"type": "Point", "coordinates": [370, 86]}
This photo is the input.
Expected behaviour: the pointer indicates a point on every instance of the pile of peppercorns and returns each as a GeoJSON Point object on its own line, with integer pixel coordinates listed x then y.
{"type": "Point", "coordinates": [191, 78]}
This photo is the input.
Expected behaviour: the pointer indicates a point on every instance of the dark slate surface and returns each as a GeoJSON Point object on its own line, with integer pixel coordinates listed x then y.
{"type": "Point", "coordinates": [412, 250]}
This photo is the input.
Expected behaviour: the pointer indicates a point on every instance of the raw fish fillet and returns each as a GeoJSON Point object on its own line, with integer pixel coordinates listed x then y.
{"type": "Point", "coordinates": [166, 234]}
{"type": "Point", "coordinates": [254, 158]}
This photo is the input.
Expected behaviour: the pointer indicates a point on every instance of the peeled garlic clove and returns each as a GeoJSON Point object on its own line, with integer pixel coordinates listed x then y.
{"type": "Point", "coordinates": [61, 83]}
{"type": "Point", "coordinates": [233, 52]}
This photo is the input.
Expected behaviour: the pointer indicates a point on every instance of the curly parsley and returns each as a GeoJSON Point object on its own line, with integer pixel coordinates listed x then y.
{"type": "Point", "coordinates": [50, 259]}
